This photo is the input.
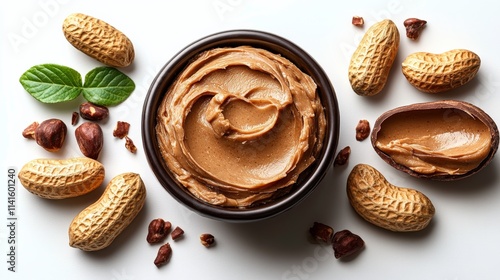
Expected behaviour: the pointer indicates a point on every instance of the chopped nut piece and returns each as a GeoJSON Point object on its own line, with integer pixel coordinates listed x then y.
{"type": "Point", "coordinates": [75, 117]}
{"type": "Point", "coordinates": [157, 231]}
{"type": "Point", "coordinates": [207, 239]}
{"type": "Point", "coordinates": [342, 156]}
{"type": "Point", "coordinates": [362, 130]}
{"type": "Point", "coordinates": [413, 27]}
{"type": "Point", "coordinates": [177, 233]}
{"type": "Point", "coordinates": [346, 243]}
{"type": "Point", "coordinates": [163, 256]}
{"type": "Point", "coordinates": [129, 144]}
{"type": "Point", "coordinates": [29, 132]}
{"type": "Point", "coordinates": [321, 232]}
{"type": "Point", "coordinates": [121, 129]}
{"type": "Point", "coordinates": [358, 21]}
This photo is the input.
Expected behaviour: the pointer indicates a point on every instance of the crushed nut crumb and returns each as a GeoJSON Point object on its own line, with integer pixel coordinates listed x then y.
{"type": "Point", "coordinates": [177, 233]}
{"type": "Point", "coordinates": [129, 144]}
{"type": "Point", "coordinates": [358, 21]}
{"type": "Point", "coordinates": [342, 156]}
{"type": "Point", "coordinates": [75, 117]}
{"type": "Point", "coordinates": [121, 129]}
{"type": "Point", "coordinates": [29, 132]}
{"type": "Point", "coordinates": [362, 130]}
{"type": "Point", "coordinates": [207, 239]}
{"type": "Point", "coordinates": [321, 233]}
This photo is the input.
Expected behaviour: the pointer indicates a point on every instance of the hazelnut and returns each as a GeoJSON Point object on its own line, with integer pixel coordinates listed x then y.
{"type": "Point", "coordinates": [50, 134]}
{"type": "Point", "coordinates": [93, 112]}
{"type": "Point", "coordinates": [89, 137]}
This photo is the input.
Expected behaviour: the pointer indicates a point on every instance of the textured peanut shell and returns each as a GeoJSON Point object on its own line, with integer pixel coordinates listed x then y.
{"type": "Point", "coordinates": [61, 178]}
{"type": "Point", "coordinates": [435, 73]}
{"type": "Point", "coordinates": [372, 60]}
{"type": "Point", "coordinates": [385, 205]}
{"type": "Point", "coordinates": [98, 40]}
{"type": "Point", "coordinates": [99, 224]}
{"type": "Point", "coordinates": [445, 106]}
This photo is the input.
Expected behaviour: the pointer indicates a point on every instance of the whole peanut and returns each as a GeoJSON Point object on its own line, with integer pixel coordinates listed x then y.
{"type": "Point", "coordinates": [61, 178]}
{"type": "Point", "coordinates": [98, 225]}
{"type": "Point", "coordinates": [98, 40]}
{"type": "Point", "coordinates": [435, 73]}
{"type": "Point", "coordinates": [372, 60]}
{"type": "Point", "coordinates": [385, 205]}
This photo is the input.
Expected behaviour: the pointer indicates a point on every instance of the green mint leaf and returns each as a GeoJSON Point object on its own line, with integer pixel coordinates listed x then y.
{"type": "Point", "coordinates": [107, 86]}
{"type": "Point", "coordinates": [52, 83]}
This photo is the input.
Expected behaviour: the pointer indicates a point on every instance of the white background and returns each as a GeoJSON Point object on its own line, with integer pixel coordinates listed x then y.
{"type": "Point", "coordinates": [462, 241]}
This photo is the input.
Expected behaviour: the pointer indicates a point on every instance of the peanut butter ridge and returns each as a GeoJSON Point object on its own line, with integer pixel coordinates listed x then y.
{"type": "Point", "coordinates": [435, 141]}
{"type": "Point", "coordinates": [239, 125]}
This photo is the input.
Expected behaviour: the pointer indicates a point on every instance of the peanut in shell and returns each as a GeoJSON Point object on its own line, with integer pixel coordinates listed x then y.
{"type": "Point", "coordinates": [61, 178]}
{"type": "Point", "coordinates": [385, 205]}
{"type": "Point", "coordinates": [98, 40]}
{"type": "Point", "coordinates": [372, 60]}
{"type": "Point", "coordinates": [436, 73]}
{"type": "Point", "coordinates": [97, 226]}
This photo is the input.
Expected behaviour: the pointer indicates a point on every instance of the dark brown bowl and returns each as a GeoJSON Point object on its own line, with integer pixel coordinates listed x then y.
{"type": "Point", "coordinates": [307, 181]}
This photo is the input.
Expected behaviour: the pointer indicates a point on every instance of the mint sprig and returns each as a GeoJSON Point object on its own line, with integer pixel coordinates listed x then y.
{"type": "Point", "coordinates": [52, 83]}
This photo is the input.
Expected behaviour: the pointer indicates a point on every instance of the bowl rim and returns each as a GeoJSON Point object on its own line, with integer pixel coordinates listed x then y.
{"type": "Point", "coordinates": [238, 37]}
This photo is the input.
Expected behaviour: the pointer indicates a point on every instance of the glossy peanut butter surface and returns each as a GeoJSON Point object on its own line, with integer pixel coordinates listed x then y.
{"type": "Point", "coordinates": [239, 125]}
{"type": "Point", "coordinates": [435, 141]}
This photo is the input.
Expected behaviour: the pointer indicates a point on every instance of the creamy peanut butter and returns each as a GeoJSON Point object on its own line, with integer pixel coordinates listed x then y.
{"type": "Point", "coordinates": [435, 141]}
{"type": "Point", "coordinates": [239, 125]}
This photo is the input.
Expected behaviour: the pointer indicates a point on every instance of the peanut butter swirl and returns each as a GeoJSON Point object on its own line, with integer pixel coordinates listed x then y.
{"type": "Point", "coordinates": [239, 125]}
